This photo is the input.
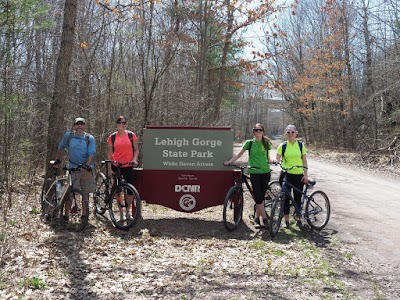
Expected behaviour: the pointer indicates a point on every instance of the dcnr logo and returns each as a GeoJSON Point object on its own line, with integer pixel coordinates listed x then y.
{"type": "Point", "coordinates": [187, 188]}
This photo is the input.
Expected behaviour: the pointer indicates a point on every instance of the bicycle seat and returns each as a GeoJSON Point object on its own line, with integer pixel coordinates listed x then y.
{"type": "Point", "coordinates": [311, 182]}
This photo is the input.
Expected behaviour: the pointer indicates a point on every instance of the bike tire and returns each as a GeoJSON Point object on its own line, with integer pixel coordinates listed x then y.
{"type": "Point", "coordinates": [317, 210]}
{"type": "Point", "coordinates": [233, 208]}
{"type": "Point", "coordinates": [78, 205]}
{"type": "Point", "coordinates": [101, 194]}
{"type": "Point", "coordinates": [117, 202]}
{"type": "Point", "coordinates": [276, 214]}
{"type": "Point", "coordinates": [48, 200]}
{"type": "Point", "coordinates": [273, 189]}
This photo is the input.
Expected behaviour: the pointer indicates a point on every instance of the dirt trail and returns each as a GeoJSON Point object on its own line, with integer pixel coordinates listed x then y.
{"type": "Point", "coordinates": [365, 214]}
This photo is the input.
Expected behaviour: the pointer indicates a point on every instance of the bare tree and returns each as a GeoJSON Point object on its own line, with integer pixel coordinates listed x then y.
{"type": "Point", "coordinates": [61, 81]}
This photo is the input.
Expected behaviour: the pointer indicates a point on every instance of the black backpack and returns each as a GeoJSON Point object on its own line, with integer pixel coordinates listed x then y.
{"type": "Point", "coordinates": [284, 145]}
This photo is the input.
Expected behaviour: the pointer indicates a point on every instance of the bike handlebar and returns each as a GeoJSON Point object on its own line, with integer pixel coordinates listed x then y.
{"type": "Point", "coordinates": [287, 169]}
{"type": "Point", "coordinates": [56, 162]}
{"type": "Point", "coordinates": [243, 167]}
{"type": "Point", "coordinates": [119, 164]}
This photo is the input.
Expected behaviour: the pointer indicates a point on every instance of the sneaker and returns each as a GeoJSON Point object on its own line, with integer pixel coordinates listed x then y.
{"type": "Point", "coordinates": [257, 221]}
{"type": "Point", "coordinates": [129, 217]}
{"type": "Point", "coordinates": [265, 221]}
{"type": "Point", "coordinates": [299, 224]}
{"type": "Point", "coordinates": [287, 224]}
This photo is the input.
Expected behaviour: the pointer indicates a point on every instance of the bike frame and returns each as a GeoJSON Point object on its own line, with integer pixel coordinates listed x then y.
{"type": "Point", "coordinates": [287, 195]}
{"type": "Point", "coordinates": [243, 178]}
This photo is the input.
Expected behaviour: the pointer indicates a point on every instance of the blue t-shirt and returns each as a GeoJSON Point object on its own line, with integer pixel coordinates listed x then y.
{"type": "Point", "coordinates": [78, 149]}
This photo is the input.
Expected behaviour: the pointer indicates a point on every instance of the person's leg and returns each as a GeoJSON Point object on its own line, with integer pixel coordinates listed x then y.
{"type": "Point", "coordinates": [289, 190]}
{"type": "Point", "coordinates": [128, 175]}
{"type": "Point", "coordinates": [257, 185]}
{"type": "Point", "coordinates": [88, 185]}
{"type": "Point", "coordinates": [297, 196]}
{"type": "Point", "coordinates": [260, 207]}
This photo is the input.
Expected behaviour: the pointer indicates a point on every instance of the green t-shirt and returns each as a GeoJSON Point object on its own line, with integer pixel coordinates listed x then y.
{"type": "Point", "coordinates": [258, 156]}
{"type": "Point", "coordinates": [292, 157]}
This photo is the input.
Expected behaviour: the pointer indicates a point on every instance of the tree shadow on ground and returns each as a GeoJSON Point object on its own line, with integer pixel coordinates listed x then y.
{"type": "Point", "coordinates": [68, 246]}
{"type": "Point", "coordinates": [182, 228]}
{"type": "Point", "coordinates": [287, 235]}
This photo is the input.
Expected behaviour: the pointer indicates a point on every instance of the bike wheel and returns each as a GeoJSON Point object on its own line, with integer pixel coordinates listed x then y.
{"type": "Point", "coordinates": [48, 200]}
{"type": "Point", "coordinates": [233, 208]}
{"type": "Point", "coordinates": [101, 194]}
{"type": "Point", "coordinates": [318, 210]}
{"type": "Point", "coordinates": [276, 214]}
{"type": "Point", "coordinates": [118, 206]}
{"type": "Point", "coordinates": [74, 212]}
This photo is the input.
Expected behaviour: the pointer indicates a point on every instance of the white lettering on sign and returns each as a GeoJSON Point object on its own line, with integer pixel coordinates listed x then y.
{"type": "Point", "coordinates": [210, 143]}
{"type": "Point", "coordinates": [187, 188]}
{"type": "Point", "coordinates": [171, 142]}
{"type": "Point", "coordinates": [201, 154]}
{"type": "Point", "coordinates": [177, 154]}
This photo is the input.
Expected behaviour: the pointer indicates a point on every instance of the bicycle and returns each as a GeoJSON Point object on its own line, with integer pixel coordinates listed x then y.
{"type": "Point", "coordinates": [113, 197]}
{"type": "Point", "coordinates": [233, 202]}
{"type": "Point", "coordinates": [58, 195]}
{"type": "Point", "coordinates": [315, 208]}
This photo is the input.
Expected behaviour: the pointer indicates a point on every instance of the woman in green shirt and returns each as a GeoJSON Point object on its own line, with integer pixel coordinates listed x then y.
{"type": "Point", "coordinates": [294, 155]}
{"type": "Point", "coordinates": [259, 157]}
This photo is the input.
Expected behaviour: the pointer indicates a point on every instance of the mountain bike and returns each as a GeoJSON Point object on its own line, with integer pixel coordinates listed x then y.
{"type": "Point", "coordinates": [61, 202]}
{"type": "Point", "coordinates": [115, 197]}
{"type": "Point", "coordinates": [233, 202]}
{"type": "Point", "coordinates": [315, 208]}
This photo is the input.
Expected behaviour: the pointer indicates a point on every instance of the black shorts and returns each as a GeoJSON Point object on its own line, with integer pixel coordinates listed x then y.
{"type": "Point", "coordinates": [127, 173]}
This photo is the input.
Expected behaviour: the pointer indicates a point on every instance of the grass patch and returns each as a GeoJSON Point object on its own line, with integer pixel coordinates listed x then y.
{"type": "Point", "coordinates": [34, 282]}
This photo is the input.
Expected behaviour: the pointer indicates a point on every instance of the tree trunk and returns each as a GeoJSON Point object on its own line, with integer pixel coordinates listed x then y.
{"type": "Point", "coordinates": [60, 93]}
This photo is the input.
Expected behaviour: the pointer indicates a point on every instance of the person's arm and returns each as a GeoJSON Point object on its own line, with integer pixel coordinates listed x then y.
{"type": "Point", "coordinates": [234, 158]}
{"type": "Point", "coordinates": [270, 161]}
{"type": "Point", "coordinates": [305, 164]}
{"type": "Point", "coordinates": [91, 152]}
{"type": "Point", "coordinates": [135, 153]}
{"type": "Point", "coordinates": [109, 157]}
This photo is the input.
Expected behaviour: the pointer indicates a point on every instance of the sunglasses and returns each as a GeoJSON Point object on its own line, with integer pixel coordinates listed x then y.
{"type": "Point", "coordinates": [289, 132]}
{"type": "Point", "coordinates": [120, 122]}
{"type": "Point", "coordinates": [79, 123]}
{"type": "Point", "coordinates": [257, 129]}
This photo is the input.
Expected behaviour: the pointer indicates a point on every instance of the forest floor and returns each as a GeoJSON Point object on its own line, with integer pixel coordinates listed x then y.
{"type": "Point", "coordinates": [174, 255]}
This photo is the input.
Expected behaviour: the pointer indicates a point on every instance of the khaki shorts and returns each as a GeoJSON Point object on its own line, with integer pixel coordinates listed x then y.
{"type": "Point", "coordinates": [84, 181]}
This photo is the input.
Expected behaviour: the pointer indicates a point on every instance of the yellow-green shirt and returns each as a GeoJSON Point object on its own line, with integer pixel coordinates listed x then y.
{"type": "Point", "coordinates": [292, 157]}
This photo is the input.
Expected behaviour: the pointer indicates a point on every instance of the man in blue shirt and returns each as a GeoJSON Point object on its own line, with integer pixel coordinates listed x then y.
{"type": "Point", "coordinates": [81, 148]}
